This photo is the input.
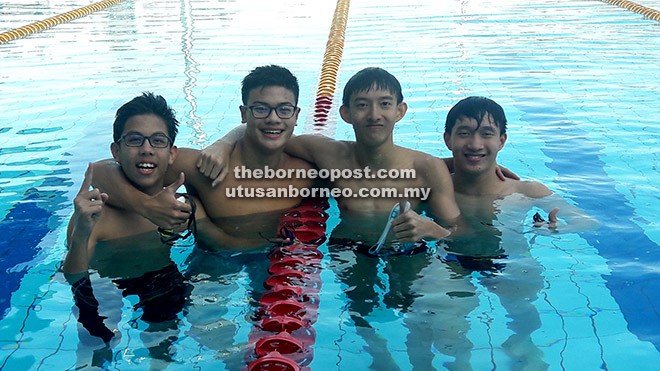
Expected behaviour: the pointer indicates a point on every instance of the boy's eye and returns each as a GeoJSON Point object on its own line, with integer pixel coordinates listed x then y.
{"type": "Point", "coordinates": [134, 140]}
{"type": "Point", "coordinates": [285, 110]}
{"type": "Point", "coordinates": [159, 140]}
{"type": "Point", "coordinates": [260, 109]}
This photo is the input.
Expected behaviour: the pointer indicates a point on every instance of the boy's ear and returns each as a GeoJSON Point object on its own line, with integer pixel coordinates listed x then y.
{"type": "Point", "coordinates": [402, 108]}
{"type": "Point", "coordinates": [447, 137]}
{"type": "Point", "coordinates": [174, 151]}
{"type": "Point", "coordinates": [243, 110]}
{"type": "Point", "coordinates": [296, 115]}
{"type": "Point", "coordinates": [114, 148]}
{"type": "Point", "coordinates": [502, 140]}
{"type": "Point", "coordinates": [345, 115]}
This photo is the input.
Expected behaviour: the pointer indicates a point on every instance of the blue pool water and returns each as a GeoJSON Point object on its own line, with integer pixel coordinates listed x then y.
{"type": "Point", "coordinates": [578, 81]}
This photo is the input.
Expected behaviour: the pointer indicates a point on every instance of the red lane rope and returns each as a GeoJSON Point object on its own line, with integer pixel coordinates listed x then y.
{"type": "Point", "coordinates": [283, 338]}
{"type": "Point", "coordinates": [334, 49]}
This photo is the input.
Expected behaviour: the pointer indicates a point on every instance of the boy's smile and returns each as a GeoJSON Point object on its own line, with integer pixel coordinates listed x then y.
{"type": "Point", "coordinates": [145, 165]}
{"type": "Point", "coordinates": [475, 147]}
{"type": "Point", "coordinates": [270, 132]}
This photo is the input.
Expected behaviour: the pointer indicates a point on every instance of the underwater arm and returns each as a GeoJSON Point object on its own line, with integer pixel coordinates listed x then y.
{"type": "Point", "coordinates": [562, 218]}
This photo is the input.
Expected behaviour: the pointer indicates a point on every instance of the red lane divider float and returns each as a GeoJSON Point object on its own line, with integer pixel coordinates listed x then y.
{"type": "Point", "coordinates": [283, 338]}
{"type": "Point", "coordinates": [334, 49]}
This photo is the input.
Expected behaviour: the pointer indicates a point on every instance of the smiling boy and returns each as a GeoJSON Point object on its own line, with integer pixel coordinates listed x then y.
{"type": "Point", "coordinates": [475, 132]}
{"type": "Point", "coordinates": [143, 147]}
{"type": "Point", "coordinates": [123, 245]}
{"type": "Point", "coordinates": [269, 113]}
{"type": "Point", "coordinates": [372, 104]}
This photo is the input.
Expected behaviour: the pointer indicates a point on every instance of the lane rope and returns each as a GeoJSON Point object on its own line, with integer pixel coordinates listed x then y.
{"type": "Point", "coordinates": [16, 33]}
{"type": "Point", "coordinates": [284, 336]}
{"type": "Point", "coordinates": [640, 9]}
{"type": "Point", "coordinates": [331, 62]}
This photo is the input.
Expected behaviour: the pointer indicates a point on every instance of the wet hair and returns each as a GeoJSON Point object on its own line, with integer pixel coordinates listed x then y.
{"type": "Point", "coordinates": [372, 77]}
{"type": "Point", "coordinates": [476, 108]}
{"type": "Point", "coordinates": [146, 104]}
{"type": "Point", "coordinates": [265, 76]}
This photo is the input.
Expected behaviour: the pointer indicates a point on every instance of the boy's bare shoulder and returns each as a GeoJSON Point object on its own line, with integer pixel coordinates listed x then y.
{"type": "Point", "coordinates": [532, 189]}
{"type": "Point", "coordinates": [424, 161]}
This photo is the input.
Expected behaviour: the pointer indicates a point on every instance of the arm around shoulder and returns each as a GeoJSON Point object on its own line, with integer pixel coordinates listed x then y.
{"type": "Point", "coordinates": [162, 209]}
{"type": "Point", "coordinates": [317, 149]}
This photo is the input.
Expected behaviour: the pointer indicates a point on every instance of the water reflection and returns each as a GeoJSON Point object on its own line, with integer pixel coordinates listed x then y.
{"type": "Point", "coordinates": [138, 266]}
{"type": "Point", "coordinates": [434, 293]}
{"type": "Point", "coordinates": [226, 293]}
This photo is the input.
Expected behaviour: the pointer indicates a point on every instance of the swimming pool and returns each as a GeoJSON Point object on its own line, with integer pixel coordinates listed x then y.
{"type": "Point", "coordinates": [578, 81]}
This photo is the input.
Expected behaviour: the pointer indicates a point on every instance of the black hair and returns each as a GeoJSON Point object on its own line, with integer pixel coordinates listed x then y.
{"type": "Point", "coordinates": [476, 108]}
{"type": "Point", "coordinates": [266, 76]}
{"type": "Point", "coordinates": [372, 77]}
{"type": "Point", "coordinates": [146, 104]}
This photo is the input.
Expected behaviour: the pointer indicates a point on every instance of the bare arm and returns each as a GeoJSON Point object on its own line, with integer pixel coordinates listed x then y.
{"type": "Point", "coordinates": [441, 199]}
{"type": "Point", "coordinates": [563, 217]}
{"type": "Point", "coordinates": [80, 237]}
{"type": "Point", "coordinates": [411, 227]}
{"type": "Point", "coordinates": [213, 160]}
{"type": "Point", "coordinates": [162, 209]}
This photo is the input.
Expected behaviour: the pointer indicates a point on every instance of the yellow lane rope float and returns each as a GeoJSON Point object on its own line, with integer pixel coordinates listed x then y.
{"type": "Point", "coordinates": [331, 61]}
{"type": "Point", "coordinates": [647, 12]}
{"type": "Point", "coordinates": [53, 21]}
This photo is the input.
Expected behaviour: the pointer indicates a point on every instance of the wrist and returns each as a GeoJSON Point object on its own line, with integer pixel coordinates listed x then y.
{"type": "Point", "coordinates": [441, 233]}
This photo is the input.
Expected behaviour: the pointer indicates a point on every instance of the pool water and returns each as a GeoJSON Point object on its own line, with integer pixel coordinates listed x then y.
{"type": "Point", "coordinates": [577, 79]}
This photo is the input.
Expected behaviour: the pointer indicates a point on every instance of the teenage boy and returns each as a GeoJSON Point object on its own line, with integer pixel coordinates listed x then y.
{"type": "Point", "coordinates": [475, 131]}
{"type": "Point", "coordinates": [143, 148]}
{"type": "Point", "coordinates": [372, 103]}
{"type": "Point", "coordinates": [123, 245]}
{"type": "Point", "coordinates": [269, 112]}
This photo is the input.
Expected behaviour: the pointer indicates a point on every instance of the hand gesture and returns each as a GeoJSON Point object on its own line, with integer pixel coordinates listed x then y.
{"type": "Point", "coordinates": [410, 227]}
{"type": "Point", "coordinates": [504, 173]}
{"type": "Point", "coordinates": [87, 205]}
{"type": "Point", "coordinates": [163, 208]}
{"type": "Point", "coordinates": [213, 161]}
{"type": "Point", "coordinates": [552, 219]}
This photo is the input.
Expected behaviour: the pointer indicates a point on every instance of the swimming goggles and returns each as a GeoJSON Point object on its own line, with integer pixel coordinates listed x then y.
{"type": "Point", "coordinates": [396, 211]}
{"type": "Point", "coordinates": [168, 236]}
